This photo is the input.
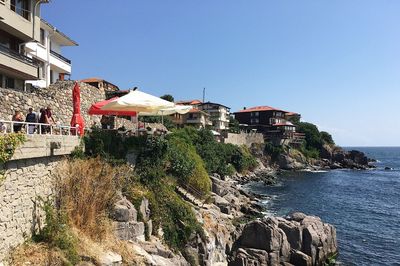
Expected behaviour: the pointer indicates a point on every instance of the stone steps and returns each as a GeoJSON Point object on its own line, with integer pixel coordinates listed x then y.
{"type": "Point", "coordinates": [189, 197]}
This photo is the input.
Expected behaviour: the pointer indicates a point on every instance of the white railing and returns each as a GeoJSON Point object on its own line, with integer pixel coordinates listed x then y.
{"type": "Point", "coordinates": [30, 128]}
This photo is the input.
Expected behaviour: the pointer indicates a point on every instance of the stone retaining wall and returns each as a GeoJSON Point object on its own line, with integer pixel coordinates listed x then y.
{"type": "Point", "coordinates": [37, 146]}
{"type": "Point", "coordinates": [58, 96]}
{"type": "Point", "coordinates": [24, 181]}
{"type": "Point", "coordinates": [244, 139]}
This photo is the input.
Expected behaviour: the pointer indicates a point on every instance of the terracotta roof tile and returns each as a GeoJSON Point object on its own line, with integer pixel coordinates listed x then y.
{"type": "Point", "coordinates": [260, 109]}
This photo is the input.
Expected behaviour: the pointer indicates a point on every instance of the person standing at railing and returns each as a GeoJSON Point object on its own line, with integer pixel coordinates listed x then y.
{"type": "Point", "coordinates": [49, 115]}
{"type": "Point", "coordinates": [31, 117]}
{"type": "Point", "coordinates": [44, 120]}
{"type": "Point", "coordinates": [17, 117]}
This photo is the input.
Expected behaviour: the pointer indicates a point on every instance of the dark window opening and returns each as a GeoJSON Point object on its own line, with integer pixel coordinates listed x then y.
{"type": "Point", "coordinates": [10, 83]}
{"type": "Point", "coordinates": [42, 39]}
{"type": "Point", "coordinates": [21, 7]}
{"type": "Point", "coordinates": [51, 77]}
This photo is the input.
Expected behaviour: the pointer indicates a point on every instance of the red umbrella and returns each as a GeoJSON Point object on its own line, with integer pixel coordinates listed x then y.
{"type": "Point", "coordinates": [77, 120]}
{"type": "Point", "coordinates": [95, 109]}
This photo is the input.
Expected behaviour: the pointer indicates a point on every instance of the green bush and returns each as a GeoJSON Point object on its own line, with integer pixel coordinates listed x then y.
{"type": "Point", "coordinates": [327, 138]}
{"type": "Point", "coordinates": [314, 139]}
{"type": "Point", "coordinates": [186, 165]}
{"type": "Point", "coordinates": [273, 150]}
{"type": "Point", "coordinates": [178, 220]}
{"type": "Point", "coordinates": [56, 232]}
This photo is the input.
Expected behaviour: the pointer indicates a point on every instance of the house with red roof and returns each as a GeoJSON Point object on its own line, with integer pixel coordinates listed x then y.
{"type": "Point", "coordinates": [101, 84]}
{"type": "Point", "coordinates": [276, 124]}
{"type": "Point", "coordinates": [195, 117]}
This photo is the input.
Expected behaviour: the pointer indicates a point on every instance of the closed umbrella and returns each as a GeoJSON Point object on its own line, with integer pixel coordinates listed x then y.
{"type": "Point", "coordinates": [77, 119]}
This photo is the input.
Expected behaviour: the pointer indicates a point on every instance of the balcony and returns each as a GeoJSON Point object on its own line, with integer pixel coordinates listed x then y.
{"type": "Point", "coordinates": [16, 64]}
{"type": "Point", "coordinates": [61, 64]}
{"type": "Point", "coordinates": [194, 121]}
{"type": "Point", "coordinates": [62, 58]}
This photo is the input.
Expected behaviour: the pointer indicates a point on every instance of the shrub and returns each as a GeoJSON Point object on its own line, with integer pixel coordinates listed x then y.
{"type": "Point", "coordinates": [177, 218]}
{"type": "Point", "coordinates": [327, 138]}
{"type": "Point", "coordinates": [273, 151]}
{"type": "Point", "coordinates": [56, 232]}
{"type": "Point", "coordinates": [8, 144]}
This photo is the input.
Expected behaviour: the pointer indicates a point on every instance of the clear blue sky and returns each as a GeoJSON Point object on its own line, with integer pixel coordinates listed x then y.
{"type": "Point", "coordinates": [335, 62]}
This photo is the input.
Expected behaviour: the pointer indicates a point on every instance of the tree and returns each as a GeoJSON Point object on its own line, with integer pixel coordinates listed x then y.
{"type": "Point", "coordinates": [168, 97]}
{"type": "Point", "coordinates": [327, 138]}
{"type": "Point", "coordinates": [233, 125]}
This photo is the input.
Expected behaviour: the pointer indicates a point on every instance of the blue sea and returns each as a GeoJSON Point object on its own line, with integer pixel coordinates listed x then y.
{"type": "Point", "coordinates": [364, 206]}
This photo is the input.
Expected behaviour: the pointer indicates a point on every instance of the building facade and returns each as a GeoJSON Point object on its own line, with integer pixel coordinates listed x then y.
{"type": "Point", "coordinates": [19, 24]}
{"type": "Point", "coordinates": [46, 54]}
{"type": "Point", "coordinates": [274, 123]}
{"type": "Point", "coordinates": [101, 84]}
{"type": "Point", "coordinates": [195, 118]}
{"type": "Point", "coordinates": [219, 115]}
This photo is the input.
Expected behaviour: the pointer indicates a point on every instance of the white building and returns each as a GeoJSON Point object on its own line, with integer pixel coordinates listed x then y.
{"type": "Point", "coordinates": [219, 115]}
{"type": "Point", "coordinates": [47, 54]}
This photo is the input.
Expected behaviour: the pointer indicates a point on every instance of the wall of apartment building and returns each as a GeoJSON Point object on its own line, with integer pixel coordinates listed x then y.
{"type": "Point", "coordinates": [244, 139]}
{"type": "Point", "coordinates": [58, 96]}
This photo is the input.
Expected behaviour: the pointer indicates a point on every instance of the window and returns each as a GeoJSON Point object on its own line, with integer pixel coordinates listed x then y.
{"type": "Point", "coordinates": [21, 7]}
{"type": "Point", "coordinates": [42, 37]}
{"type": "Point", "coordinates": [51, 77]}
{"type": "Point", "coordinates": [10, 83]}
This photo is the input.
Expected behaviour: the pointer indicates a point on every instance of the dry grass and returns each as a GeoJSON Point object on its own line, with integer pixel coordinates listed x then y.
{"type": "Point", "coordinates": [36, 254]}
{"type": "Point", "coordinates": [88, 188]}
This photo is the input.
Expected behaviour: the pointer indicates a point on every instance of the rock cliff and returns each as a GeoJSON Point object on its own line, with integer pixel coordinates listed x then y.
{"type": "Point", "coordinates": [296, 240]}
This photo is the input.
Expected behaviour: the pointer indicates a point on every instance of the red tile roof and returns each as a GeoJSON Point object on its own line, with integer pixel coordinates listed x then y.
{"type": "Point", "coordinates": [93, 80]}
{"type": "Point", "coordinates": [189, 102]}
{"type": "Point", "coordinates": [292, 113]}
{"type": "Point", "coordinates": [195, 110]}
{"type": "Point", "coordinates": [259, 109]}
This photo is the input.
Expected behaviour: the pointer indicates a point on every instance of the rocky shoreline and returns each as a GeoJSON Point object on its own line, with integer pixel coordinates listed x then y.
{"type": "Point", "coordinates": [236, 231]}
{"type": "Point", "coordinates": [297, 239]}
{"type": "Point", "coordinates": [332, 157]}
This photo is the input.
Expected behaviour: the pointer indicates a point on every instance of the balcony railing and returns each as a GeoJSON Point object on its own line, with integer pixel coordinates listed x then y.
{"type": "Point", "coordinates": [17, 56]}
{"type": "Point", "coordinates": [30, 128]}
{"type": "Point", "coordinates": [62, 58]}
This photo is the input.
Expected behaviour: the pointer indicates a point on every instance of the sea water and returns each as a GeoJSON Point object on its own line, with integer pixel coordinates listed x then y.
{"type": "Point", "coordinates": [364, 206]}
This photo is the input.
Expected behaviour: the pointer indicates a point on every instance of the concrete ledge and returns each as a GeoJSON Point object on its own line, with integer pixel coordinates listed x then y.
{"type": "Point", "coordinates": [37, 146]}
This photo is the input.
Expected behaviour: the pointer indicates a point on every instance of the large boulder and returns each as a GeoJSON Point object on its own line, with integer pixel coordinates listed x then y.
{"type": "Point", "coordinates": [145, 209]}
{"type": "Point", "coordinates": [358, 157]}
{"type": "Point", "coordinates": [326, 152]}
{"type": "Point", "coordinates": [299, 239]}
{"type": "Point", "coordinates": [124, 211]}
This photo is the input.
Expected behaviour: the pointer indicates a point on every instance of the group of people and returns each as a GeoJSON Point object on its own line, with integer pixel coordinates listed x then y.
{"type": "Point", "coordinates": [45, 117]}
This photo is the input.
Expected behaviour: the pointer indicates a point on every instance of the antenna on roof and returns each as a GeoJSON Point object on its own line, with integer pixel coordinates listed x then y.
{"type": "Point", "coordinates": [204, 95]}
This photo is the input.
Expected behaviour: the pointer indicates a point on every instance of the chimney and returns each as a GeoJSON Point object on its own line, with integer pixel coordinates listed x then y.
{"type": "Point", "coordinates": [244, 108]}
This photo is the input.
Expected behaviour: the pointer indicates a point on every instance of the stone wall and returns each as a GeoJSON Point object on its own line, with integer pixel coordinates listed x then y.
{"type": "Point", "coordinates": [58, 96]}
{"type": "Point", "coordinates": [244, 139]}
{"type": "Point", "coordinates": [24, 181]}
{"type": "Point", "coordinates": [37, 146]}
